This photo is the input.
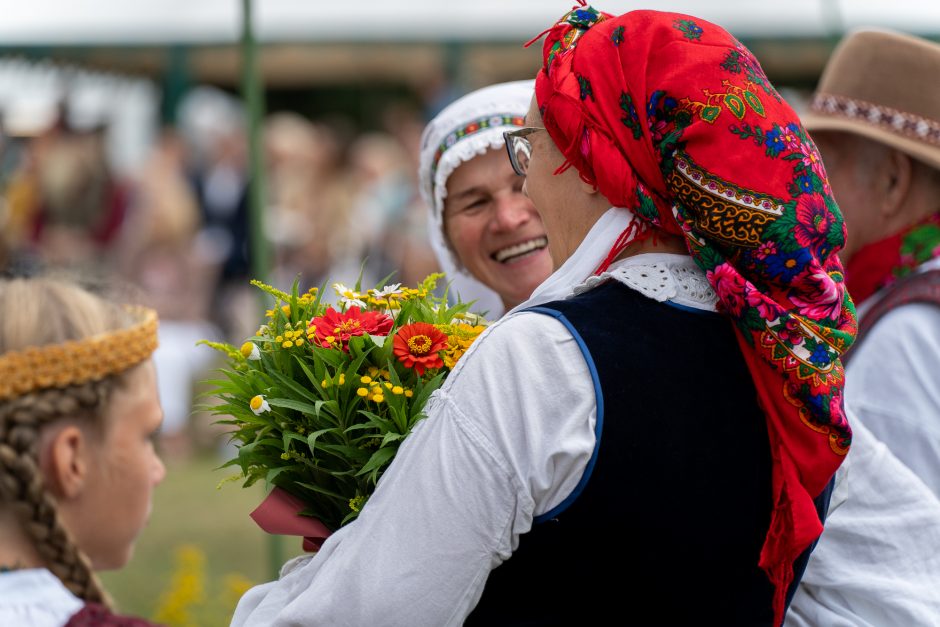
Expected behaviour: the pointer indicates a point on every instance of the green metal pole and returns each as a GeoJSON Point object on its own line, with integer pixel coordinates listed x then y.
{"type": "Point", "coordinates": [253, 95]}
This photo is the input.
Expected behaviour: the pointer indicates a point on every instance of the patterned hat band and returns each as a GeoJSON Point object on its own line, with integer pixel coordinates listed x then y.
{"type": "Point", "coordinates": [891, 120]}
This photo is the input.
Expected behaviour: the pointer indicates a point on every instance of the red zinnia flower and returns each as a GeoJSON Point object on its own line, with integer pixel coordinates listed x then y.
{"type": "Point", "coordinates": [334, 328]}
{"type": "Point", "coordinates": [416, 345]}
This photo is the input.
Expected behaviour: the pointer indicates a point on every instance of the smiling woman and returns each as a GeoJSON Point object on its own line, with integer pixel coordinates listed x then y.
{"type": "Point", "coordinates": [485, 231]}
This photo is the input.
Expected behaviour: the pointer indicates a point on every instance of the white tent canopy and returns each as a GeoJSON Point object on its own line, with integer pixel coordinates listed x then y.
{"type": "Point", "coordinates": [97, 22]}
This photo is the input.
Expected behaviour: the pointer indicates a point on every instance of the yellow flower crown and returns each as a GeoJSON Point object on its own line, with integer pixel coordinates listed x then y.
{"type": "Point", "coordinates": [79, 361]}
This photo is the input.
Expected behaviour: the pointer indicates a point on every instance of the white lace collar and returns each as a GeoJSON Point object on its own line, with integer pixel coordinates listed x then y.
{"type": "Point", "coordinates": [662, 277]}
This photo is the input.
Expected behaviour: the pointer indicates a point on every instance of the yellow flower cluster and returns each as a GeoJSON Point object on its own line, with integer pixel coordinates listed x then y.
{"type": "Point", "coordinates": [459, 338]}
{"type": "Point", "coordinates": [339, 381]}
{"type": "Point", "coordinates": [303, 300]}
{"type": "Point", "coordinates": [188, 602]}
{"type": "Point", "coordinates": [290, 339]}
{"type": "Point", "coordinates": [387, 303]}
{"type": "Point", "coordinates": [308, 297]}
{"type": "Point", "coordinates": [374, 388]}
{"type": "Point", "coordinates": [74, 362]}
{"type": "Point", "coordinates": [186, 590]}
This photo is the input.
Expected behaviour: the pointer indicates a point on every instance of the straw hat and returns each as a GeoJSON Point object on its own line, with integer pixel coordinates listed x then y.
{"type": "Point", "coordinates": [884, 86]}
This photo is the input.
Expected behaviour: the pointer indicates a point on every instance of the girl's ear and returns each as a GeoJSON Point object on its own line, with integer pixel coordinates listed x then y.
{"type": "Point", "coordinates": [66, 463]}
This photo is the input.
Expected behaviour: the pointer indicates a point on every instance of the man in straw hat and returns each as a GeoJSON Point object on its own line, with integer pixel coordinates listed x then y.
{"type": "Point", "coordinates": [877, 125]}
{"type": "Point", "coordinates": [876, 119]}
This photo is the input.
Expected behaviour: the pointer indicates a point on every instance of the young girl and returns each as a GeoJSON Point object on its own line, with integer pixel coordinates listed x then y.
{"type": "Point", "coordinates": [78, 411]}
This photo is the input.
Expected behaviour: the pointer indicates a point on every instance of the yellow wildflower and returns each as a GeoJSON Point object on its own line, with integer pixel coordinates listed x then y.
{"type": "Point", "coordinates": [398, 390]}
{"type": "Point", "coordinates": [459, 338]}
{"type": "Point", "coordinates": [362, 392]}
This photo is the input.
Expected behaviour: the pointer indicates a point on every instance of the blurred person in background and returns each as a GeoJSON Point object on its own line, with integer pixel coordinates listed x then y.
{"type": "Point", "coordinates": [157, 251]}
{"type": "Point", "coordinates": [221, 184]}
{"type": "Point", "coordinates": [79, 412]}
{"type": "Point", "coordinates": [486, 234]}
{"type": "Point", "coordinates": [309, 198]}
{"type": "Point", "coordinates": [82, 202]}
{"type": "Point", "coordinates": [290, 146]}
{"type": "Point", "coordinates": [389, 219]}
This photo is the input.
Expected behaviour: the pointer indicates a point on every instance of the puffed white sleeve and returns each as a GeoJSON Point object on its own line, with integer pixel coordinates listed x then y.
{"type": "Point", "coordinates": [507, 437]}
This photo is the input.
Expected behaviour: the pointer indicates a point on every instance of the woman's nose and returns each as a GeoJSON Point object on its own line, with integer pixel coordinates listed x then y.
{"type": "Point", "coordinates": [512, 211]}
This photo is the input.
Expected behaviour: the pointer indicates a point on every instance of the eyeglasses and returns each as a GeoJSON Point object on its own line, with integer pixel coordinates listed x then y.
{"type": "Point", "coordinates": [519, 148]}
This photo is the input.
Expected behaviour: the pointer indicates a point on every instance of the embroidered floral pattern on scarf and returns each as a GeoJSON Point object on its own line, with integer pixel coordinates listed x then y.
{"type": "Point", "coordinates": [673, 118]}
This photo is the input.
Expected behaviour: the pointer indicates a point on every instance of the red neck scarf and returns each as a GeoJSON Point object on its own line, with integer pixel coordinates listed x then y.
{"type": "Point", "coordinates": [879, 264]}
{"type": "Point", "coordinates": [673, 118]}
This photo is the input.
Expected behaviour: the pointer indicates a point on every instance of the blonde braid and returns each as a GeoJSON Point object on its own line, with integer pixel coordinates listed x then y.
{"type": "Point", "coordinates": [21, 484]}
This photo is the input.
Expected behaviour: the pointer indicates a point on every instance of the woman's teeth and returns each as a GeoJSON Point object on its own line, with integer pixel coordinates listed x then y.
{"type": "Point", "coordinates": [518, 250]}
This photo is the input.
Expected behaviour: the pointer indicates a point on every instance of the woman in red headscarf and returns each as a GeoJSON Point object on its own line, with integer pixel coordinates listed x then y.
{"type": "Point", "coordinates": [652, 435]}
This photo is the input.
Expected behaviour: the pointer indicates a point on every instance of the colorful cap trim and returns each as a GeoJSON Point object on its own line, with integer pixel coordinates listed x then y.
{"type": "Point", "coordinates": [468, 129]}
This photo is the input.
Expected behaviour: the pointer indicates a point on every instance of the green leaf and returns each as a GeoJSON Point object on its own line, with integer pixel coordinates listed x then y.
{"type": "Point", "coordinates": [391, 437]}
{"type": "Point", "coordinates": [378, 460]}
{"type": "Point", "coordinates": [312, 439]}
{"type": "Point", "coordinates": [274, 472]}
{"type": "Point", "coordinates": [295, 387]}
{"type": "Point", "coordinates": [421, 396]}
{"type": "Point", "coordinates": [302, 407]}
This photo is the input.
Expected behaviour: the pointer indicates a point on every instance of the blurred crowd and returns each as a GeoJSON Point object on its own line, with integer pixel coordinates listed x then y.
{"type": "Point", "coordinates": [338, 204]}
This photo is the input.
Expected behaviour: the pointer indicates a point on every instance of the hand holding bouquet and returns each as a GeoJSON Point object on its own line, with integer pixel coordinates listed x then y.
{"type": "Point", "coordinates": [321, 398]}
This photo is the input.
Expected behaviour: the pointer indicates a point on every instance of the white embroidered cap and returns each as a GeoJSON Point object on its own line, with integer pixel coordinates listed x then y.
{"type": "Point", "coordinates": [466, 128]}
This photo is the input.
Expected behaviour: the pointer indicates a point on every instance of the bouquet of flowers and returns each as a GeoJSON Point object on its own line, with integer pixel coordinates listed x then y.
{"type": "Point", "coordinates": [321, 398]}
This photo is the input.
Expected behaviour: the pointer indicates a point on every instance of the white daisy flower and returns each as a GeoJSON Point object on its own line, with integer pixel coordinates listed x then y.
{"type": "Point", "coordinates": [259, 405]}
{"type": "Point", "coordinates": [249, 351]}
{"type": "Point", "coordinates": [349, 297]}
{"type": "Point", "coordinates": [388, 291]}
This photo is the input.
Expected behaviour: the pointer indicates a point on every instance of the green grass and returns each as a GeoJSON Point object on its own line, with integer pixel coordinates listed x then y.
{"type": "Point", "coordinates": [190, 511]}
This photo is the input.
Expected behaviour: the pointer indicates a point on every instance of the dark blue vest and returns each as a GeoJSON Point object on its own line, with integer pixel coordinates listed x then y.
{"type": "Point", "coordinates": [667, 524]}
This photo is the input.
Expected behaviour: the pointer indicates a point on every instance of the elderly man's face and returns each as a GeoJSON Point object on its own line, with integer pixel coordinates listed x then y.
{"type": "Point", "coordinates": [851, 165]}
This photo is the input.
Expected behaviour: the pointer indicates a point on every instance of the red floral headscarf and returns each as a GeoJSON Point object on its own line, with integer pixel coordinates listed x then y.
{"type": "Point", "coordinates": [672, 117]}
